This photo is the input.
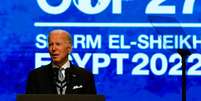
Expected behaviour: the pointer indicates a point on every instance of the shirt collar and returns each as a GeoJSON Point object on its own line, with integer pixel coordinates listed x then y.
{"type": "Point", "coordinates": [65, 66]}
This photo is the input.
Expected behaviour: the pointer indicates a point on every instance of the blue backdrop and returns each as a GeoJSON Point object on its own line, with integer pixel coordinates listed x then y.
{"type": "Point", "coordinates": [129, 45]}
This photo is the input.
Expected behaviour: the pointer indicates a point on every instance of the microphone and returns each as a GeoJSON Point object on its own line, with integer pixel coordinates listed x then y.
{"type": "Point", "coordinates": [184, 53]}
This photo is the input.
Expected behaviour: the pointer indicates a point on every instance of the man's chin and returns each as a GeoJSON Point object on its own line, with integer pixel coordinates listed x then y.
{"type": "Point", "coordinates": [56, 61]}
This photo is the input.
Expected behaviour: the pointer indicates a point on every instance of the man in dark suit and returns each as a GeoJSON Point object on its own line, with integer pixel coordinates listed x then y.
{"type": "Point", "coordinates": [60, 76]}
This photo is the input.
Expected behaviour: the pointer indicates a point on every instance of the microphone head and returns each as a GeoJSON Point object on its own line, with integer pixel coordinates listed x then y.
{"type": "Point", "coordinates": [184, 52]}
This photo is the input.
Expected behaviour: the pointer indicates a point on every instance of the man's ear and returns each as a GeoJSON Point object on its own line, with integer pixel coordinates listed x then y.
{"type": "Point", "coordinates": [70, 49]}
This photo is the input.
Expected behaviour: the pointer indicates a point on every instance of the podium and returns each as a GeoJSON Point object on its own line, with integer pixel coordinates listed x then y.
{"type": "Point", "coordinates": [53, 97]}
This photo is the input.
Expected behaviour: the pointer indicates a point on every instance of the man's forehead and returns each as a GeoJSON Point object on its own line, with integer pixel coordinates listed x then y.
{"type": "Point", "coordinates": [58, 34]}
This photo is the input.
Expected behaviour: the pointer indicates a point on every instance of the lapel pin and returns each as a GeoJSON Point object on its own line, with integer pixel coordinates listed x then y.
{"type": "Point", "coordinates": [74, 75]}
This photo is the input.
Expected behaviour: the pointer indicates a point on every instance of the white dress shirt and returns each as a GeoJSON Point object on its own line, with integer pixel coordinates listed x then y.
{"type": "Point", "coordinates": [63, 67]}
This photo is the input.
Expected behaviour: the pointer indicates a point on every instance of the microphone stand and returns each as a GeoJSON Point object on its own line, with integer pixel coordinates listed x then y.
{"type": "Point", "coordinates": [184, 54]}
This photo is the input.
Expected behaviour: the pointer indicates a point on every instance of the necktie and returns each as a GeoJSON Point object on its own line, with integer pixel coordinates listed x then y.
{"type": "Point", "coordinates": [61, 83]}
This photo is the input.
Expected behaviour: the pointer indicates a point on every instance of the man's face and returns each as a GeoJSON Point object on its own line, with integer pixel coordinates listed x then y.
{"type": "Point", "coordinates": [59, 47]}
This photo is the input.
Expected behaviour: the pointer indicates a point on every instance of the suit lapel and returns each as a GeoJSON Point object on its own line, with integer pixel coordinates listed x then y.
{"type": "Point", "coordinates": [52, 75]}
{"type": "Point", "coordinates": [75, 81]}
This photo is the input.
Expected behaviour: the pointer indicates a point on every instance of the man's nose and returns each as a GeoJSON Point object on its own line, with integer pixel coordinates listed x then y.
{"type": "Point", "coordinates": [53, 47]}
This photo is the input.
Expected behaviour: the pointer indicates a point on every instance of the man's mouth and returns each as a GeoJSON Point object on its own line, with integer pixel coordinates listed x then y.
{"type": "Point", "coordinates": [55, 55]}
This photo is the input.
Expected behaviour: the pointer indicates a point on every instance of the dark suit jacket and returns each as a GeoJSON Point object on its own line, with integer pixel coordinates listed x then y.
{"type": "Point", "coordinates": [43, 81]}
